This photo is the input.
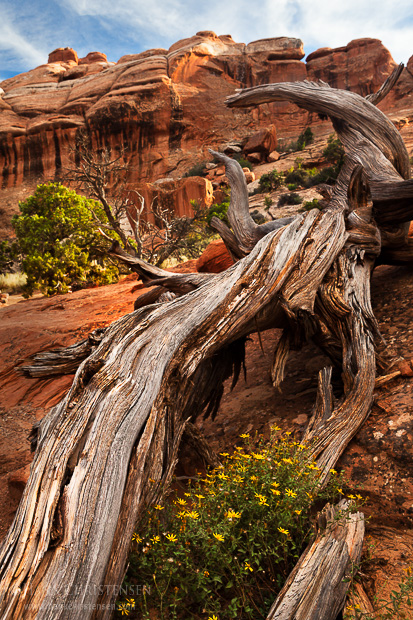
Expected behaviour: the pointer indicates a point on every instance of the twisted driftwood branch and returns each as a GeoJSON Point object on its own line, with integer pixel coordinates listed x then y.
{"type": "Point", "coordinates": [123, 419]}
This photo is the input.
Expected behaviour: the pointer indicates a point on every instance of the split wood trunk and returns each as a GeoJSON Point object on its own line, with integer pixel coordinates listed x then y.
{"type": "Point", "coordinates": [151, 371]}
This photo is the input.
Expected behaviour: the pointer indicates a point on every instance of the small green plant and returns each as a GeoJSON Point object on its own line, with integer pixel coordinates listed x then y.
{"type": "Point", "coordinates": [306, 137]}
{"type": "Point", "coordinates": [289, 199]}
{"type": "Point", "coordinates": [292, 186]}
{"type": "Point", "coordinates": [392, 608]}
{"type": "Point", "coordinates": [198, 170]}
{"type": "Point", "coordinates": [225, 546]}
{"type": "Point", "coordinates": [311, 204]}
{"type": "Point", "coordinates": [258, 217]}
{"type": "Point", "coordinates": [218, 210]}
{"type": "Point", "coordinates": [334, 152]}
{"type": "Point", "coordinates": [268, 201]}
{"type": "Point", "coordinates": [297, 176]}
{"type": "Point", "coordinates": [244, 163]}
{"type": "Point", "coordinates": [270, 181]}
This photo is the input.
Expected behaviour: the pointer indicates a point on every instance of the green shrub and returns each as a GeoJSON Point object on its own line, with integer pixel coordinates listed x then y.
{"type": "Point", "coordinates": [270, 180]}
{"type": "Point", "coordinates": [197, 170]}
{"type": "Point", "coordinates": [296, 176]}
{"type": "Point", "coordinates": [218, 210]}
{"type": "Point", "coordinates": [258, 217]}
{"type": "Point", "coordinates": [268, 201]}
{"type": "Point", "coordinates": [311, 204]}
{"type": "Point", "coordinates": [334, 152]}
{"type": "Point", "coordinates": [325, 175]}
{"type": "Point", "coordinates": [59, 243]}
{"type": "Point", "coordinates": [306, 137]}
{"type": "Point", "coordinates": [292, 186]}
{"type": "Point", "coordinates": [244, 163]}
{"type": "Point", "coordinates": [289, 199]}
{"type": "Point", "coordinates": [225, 548]}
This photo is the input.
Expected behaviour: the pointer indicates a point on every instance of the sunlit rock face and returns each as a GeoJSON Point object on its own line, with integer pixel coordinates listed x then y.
{"type": "Point", "coordinates": [165, 107]}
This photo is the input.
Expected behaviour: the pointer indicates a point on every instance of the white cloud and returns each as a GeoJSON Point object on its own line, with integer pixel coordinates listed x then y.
{"type": "Point", "coordinates": [319, 23]}
{"type": "Point", "coordinates": [127, 26]}
{"type": "Point", "coordinates": [19, 50]}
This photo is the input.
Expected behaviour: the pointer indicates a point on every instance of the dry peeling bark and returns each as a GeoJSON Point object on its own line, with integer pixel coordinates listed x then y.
{"type": "Point", "coordinates": [153, 370]}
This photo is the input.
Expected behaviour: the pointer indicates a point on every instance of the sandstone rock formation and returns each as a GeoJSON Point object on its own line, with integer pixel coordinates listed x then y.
{"type": "Point", "coordinates": [163, 105]}
{"type": "Point", "coordinates": [215, 258]}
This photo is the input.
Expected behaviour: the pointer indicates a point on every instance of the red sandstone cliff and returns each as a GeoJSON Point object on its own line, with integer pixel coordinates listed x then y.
{"type": "Point", "coordinates": [167, 106]}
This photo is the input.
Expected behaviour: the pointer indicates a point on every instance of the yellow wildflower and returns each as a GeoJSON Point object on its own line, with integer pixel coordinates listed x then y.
{"type": "Point", "coordinates": [124, 609]}
{"type": "Point", "coordinates": [223, 477]}
{"type": "Point", "coordinates": [218, 537]}
{"type": "Point", "coordinates": [224, 454]}
{"type": "Point", "coordinates": [200, 496]}
{"type": "Point", "coordinates": [181, 501]}
{"type": "Point", "coordinates": [340, 491]}
{"type": "Point", "coordinates": [275, 484]}
{"type": "Point", "coordinates": [158, 507]}
{"type": "Point", "coordinates": [214, 617]}
{"type": "Point", "coordinates": [187, 494]}
{"type": "Point", "coordinates": [288, 461]}
{"type": "Point", "coordinates": [171, 537]}
{"type": "Point", "coordinates": [290, 493]}
{"type": "Point", "coordinates": [206, 573]}
{"type": "Point", "coordinates": [275, 492]}
{"type": "Point", "coordinates": [351, 497]}
{"type": "Point", "coordinates": [258, 457]}
{"type": "Point", "coordinates": [193, 514]}
{"type": "Point", "coordinates": [333, 471]}
{"type": "Point", "coordinates": [297, 512]}
{"type": "Point", "coordinates": [232, 515]}
{"type": "Point", "coordinates": [283, 531]}
{"type": "Point", "coordinates": [359, 496]}
{"type": "Point", "coordinates": [248, 567]}
{"type": "Point", "coordinates": [155, 539]}
{"type": "Point", "coordinates": [245, 435]}
{"type": "Point", "coordinates": [254, 478]}
{"type": "Point", "coordinates": [136, 537]}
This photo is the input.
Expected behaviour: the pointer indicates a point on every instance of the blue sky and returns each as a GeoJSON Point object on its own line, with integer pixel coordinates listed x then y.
{"type": "Point", "coordinates": [31, 29]}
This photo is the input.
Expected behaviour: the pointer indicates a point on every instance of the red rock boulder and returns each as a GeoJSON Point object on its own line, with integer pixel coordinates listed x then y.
{"type": "Point", "coordinates": [361, 66]}
{"type": "Point", "coordinates": [215, 258]}
{"type": "Point", "coordinates": [63, 54]}
{"type": "Point", "coordinates": [263, 141]}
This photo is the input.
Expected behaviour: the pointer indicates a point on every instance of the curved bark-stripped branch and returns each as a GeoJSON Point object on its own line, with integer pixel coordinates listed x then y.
{"type": "Point", "coordinates": [245, 232]}
{"type": "Point", "coordinates": [354, 111]}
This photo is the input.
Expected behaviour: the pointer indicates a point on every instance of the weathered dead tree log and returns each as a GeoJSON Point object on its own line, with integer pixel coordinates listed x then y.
{"type": "Point", "coordinates": [315, 589]}
{"type": "Point", "coordinates": [123, 419]}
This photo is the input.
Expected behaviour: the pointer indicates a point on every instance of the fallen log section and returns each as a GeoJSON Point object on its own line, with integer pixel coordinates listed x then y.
{"type": "Point", "coordinates": [139, 382]}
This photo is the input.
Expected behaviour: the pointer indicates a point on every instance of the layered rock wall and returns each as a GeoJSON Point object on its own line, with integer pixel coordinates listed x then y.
{"type": "Point", "coordinates": [167, 106]}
